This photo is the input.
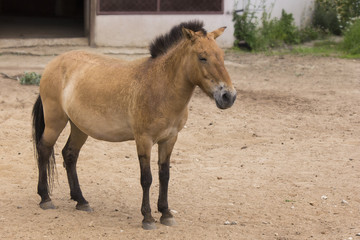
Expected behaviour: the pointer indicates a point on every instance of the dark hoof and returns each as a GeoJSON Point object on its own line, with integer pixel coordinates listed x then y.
{"type": "Point", "coordinates": [169, 221]}
{"type": "Point", "coordinates": [84, 207]}
{"type": "Point", "coordinates": [47, 205]}
{"type": "Point", "coordinates": [148, 225]}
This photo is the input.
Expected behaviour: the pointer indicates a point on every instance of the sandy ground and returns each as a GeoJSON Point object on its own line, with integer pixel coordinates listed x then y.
{"type": "Point", "coordinates": [282, 163]}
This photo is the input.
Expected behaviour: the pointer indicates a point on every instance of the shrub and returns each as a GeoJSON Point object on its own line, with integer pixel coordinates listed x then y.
{"type": "Point", "coordinates": [288, 30]}
{"type": "Point", "coordinates": [273, 32]}
{"type": "Point", "coordinates": [31, 78]}
{"type": "Point", "coordinates": [245, 25]}
{"type": "Point", "coordinates": [276, 32]}
{"type": "Point", "coordinates": [347, 11]}
{"type": "Point", "coordinates": [325, 16]}
{"type": "Point", "coordinates": [352, 38]}
{"type": "Point", "coordinates": [308, 33]}
{"type": "Point", "coordinates": [335, 15]}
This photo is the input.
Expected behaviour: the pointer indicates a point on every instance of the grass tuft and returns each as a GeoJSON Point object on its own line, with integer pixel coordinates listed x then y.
{"type": "Point", "coordinates": [30, 78]}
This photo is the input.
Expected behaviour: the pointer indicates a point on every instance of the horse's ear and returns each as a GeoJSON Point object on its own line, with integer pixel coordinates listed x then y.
{"type": "Point", "coordinates": [215, 34]}
{"type": "Point", "coordinates": [189, 34]}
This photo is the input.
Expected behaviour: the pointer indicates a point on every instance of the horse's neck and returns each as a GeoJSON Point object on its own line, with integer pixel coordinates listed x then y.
{"type": "Point", "coordinates": [174, 72]}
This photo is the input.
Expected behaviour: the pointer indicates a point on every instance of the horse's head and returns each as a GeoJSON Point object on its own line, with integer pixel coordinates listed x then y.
{"type": "Point", "coordinates": [206, 65]}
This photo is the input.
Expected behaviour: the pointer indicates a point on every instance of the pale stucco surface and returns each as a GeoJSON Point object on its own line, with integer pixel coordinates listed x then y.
{"type": "Point", "coordinates": [140, 30]}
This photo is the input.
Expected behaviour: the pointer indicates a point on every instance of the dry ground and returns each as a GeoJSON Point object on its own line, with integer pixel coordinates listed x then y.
{"type": "Point", "coordinates": [266, 164]}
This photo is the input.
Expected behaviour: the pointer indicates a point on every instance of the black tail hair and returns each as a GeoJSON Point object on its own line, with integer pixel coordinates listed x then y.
{"type": "Point", "coordinates": [38, 126]}
{"type": "Point", "coordinates": [38, 121]}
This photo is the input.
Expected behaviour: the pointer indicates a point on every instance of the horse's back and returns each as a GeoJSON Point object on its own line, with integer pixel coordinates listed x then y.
{"type": "Point", "coordinates": [85, 72]}
{"type": "Point", "coordinates": [78, 62]}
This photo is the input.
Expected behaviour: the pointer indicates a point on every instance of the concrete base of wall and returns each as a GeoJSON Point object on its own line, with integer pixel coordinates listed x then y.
{"type": "Point", "coordinates": [12, 43]}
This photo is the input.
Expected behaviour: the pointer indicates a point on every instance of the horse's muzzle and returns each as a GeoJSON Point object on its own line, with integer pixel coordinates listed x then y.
{"type": "Point", "coordinates": [224, 98]}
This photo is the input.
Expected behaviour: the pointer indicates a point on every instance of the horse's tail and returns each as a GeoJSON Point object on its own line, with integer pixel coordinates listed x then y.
{"type": "Point", "coordinates": [38, 126]}
{"type": "Point", "coordinates": [38, 121]}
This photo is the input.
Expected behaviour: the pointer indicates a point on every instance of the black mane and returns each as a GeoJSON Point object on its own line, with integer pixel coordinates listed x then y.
{"type": "Point", "coordinates": [162, 43]}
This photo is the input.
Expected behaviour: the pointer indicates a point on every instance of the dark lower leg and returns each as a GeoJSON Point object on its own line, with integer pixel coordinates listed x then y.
{"type": "Point", "coordinates": [165, 149]}
{"type": "Point", "coordinates": [70, 159]}
{"type": "Point", "coordinates": [148, 222]}
{"type": "Point", "coordinates": [164, 175]}
{"type": "Point", "coordinates": [44, 154]}
{"type": "Point", "coordinates": [146, 180]}
{"type": "Point", "coordinates": [143, 146]}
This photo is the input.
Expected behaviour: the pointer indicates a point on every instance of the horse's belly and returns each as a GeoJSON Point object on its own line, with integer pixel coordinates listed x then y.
{"type": "Point", "coordinates": [97, 116]}
{"type": "Point", "coordinates": [108, 128]}
{"type": "Point", "coordinates": [112, 133]}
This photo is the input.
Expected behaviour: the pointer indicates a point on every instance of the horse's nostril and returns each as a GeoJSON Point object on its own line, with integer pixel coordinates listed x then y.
{"type": "Point", "coordinates": [226, 97]}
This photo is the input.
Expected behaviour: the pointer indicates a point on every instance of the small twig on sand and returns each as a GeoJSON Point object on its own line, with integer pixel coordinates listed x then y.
{"type": "Point", "coordinates": [16, 77]}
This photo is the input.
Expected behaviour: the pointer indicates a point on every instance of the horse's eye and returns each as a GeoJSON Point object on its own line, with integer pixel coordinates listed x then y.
{"type": "Point", "coordinates": [203, 59]}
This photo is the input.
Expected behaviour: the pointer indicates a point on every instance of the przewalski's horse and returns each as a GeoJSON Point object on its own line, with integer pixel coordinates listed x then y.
{"type": "Point", "coordinates": [144, 100]}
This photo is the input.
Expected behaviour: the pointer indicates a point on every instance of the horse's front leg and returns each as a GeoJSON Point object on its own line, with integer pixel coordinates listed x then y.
{"type": "Point", "coordinates": [165, 150]}
{"type": "Point", "coordinates": [143, 146]}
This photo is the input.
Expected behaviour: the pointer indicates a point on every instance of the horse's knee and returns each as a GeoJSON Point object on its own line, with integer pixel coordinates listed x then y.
{"type": "Point", "coordinates": [44, 149]}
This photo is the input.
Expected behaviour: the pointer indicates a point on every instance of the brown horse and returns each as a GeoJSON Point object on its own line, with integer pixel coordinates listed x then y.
{"type": "Point", "coordinates": [113, 100]}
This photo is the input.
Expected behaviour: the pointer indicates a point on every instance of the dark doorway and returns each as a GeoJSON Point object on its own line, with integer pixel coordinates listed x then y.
{"type": "Point", "coordinates": [42, 18]}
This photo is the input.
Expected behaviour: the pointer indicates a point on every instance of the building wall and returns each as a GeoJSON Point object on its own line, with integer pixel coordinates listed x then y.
{"type": "Point", "coordinates": [301, 9]}
{"type": "Point", "coordinates": [140, 30]}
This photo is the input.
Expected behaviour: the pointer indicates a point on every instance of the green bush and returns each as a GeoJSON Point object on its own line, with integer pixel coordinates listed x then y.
{"type": "Point", "coordinates": [270, 33]}
{"type": "Point", "coordinates": [309, 33]}
{"type": "Point", "coordinates": [287, 31]}
{"type": "Point", "coordinates": [245, 25]}
{"type": "Point", "coordinates": [325, 17]}
{"type": "Point", "coordinates": [347, 10]}
{"type": "Point", "coordinates": [31, 78]}
{"type": "Point", "coordinates": [352, 38]}
{"type": "Point", "coordinates": [335, 15]}
{"type": "Point", "coordinates": [273, 32]}
{"type": "Point", "coordinates": [263, 33]}
{"type": "Point", "coordinates": [245, 29]}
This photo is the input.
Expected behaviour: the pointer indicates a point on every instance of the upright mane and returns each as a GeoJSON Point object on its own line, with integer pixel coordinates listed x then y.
{"type": "Point", "coordinates": [162, 43]}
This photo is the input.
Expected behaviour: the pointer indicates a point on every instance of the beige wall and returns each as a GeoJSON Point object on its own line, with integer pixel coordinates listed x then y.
{"type": "Point", "coordinates": [301, 9]}
{"type": "Point", "coordinates": [140, 30]}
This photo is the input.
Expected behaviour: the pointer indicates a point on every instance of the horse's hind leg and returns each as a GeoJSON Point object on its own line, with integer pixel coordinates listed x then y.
{"type": "Point", "coordinates": [44, 154]}
{"type": "Point", "coordinates": [165, 150]}
{"type": "Point", "coordinates": [70, 154]}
